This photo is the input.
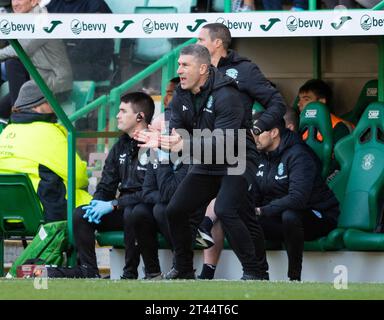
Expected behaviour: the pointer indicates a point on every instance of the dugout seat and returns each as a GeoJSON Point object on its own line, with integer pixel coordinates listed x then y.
{"type": "Point", "coordinates": [82, 93]}
{"type": "Point", "coordinates": [316, 129]}
{"type": "Point", "coordinates": [367, 95]}
{"type": "Point", "coordinates": [20, 209]}
{"type": "Point", "coordinates": [360, 184]}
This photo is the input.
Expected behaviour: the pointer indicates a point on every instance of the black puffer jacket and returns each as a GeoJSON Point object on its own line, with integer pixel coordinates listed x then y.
{"type": "Point", "coordinates": [290, 178]}
{"type": "Point", "coordinates": [254, 86]}
{"type": "Point", "coordinates": [124, 172]}
{"type": "Point", "coordinates": [217, 106]}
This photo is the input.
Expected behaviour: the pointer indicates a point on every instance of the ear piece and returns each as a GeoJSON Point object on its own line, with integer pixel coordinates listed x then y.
{"type": "Point", "coordinates": [139, 117]}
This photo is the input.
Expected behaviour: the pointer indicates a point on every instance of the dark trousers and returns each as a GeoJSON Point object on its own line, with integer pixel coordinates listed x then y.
{"type": "Point", "coordinates": [17, 75]}
{"type": "Point", "coordinates": [239, 223]}
{"type": "Point", "coordinates": [148, 219]}
{"type": "Point", "coordinates": [293, 228]}
{"type": "Point", "coordinates": [84, 234]}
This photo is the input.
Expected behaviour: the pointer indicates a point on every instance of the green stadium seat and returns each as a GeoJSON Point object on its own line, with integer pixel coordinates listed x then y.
{"type": "Point", "coordinates": [150, 50]}
{"type": "Point", "coordinates": [4, 89]}
{"type": "Point", "coordinates": [360, 184]}
{"type": "Point", "coordinates": [20, 210]}
{"type": "Point", "coordinates": [182, 6]}
{"type": "Point", "coordinates": [315, 119]}
{"type": "Point", "coordinates": [82, 93]}
{"type": "Point", "coordinates": [218, 5]}
{"type": "Point", "coordinates": [367, 95]}
{"type": "Point", "coordinates": [125, 6]}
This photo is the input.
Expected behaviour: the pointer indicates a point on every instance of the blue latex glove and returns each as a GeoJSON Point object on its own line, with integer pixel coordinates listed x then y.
{"type": "Point", "coordinates": [96, 210]}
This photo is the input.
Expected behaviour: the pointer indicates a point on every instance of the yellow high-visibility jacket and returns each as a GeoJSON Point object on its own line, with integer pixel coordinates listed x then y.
{"type": "Point", "coordinates": [39, 149]}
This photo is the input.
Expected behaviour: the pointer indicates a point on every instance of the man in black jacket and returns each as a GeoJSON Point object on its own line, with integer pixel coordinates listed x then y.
{"type": "Point", "coordinates": [292, 200]}
{"type": "Point", "coordinates": [253, 86]}
{"type": "Point", "coordinates": [207, 100]}
{"type": "Point", "coordinates": [123, 171]}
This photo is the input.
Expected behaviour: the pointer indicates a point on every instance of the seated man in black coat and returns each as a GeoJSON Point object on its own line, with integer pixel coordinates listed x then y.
{"type": "Point", "coordinates": [293, 202]}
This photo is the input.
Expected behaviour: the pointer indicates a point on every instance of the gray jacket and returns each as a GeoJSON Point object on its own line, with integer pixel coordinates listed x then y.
{"type": "Point", "coordinates": [49, 56]}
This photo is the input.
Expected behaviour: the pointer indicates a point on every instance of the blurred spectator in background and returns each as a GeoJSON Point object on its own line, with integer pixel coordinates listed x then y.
{"type": "Point", "coordinates": [91, 59]}
{"type": "Point", "coordinates": [298, 5]}
{"type": "Point", "coordinates": [47, 55]}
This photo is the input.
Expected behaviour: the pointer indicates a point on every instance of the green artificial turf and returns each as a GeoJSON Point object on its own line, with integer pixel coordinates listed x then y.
{"type": "Point", "coordinates": [185, 290]}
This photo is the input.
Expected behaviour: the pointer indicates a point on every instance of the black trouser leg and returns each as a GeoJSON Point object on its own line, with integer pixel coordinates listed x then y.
{"type": "Point", "coordinates": [194, 192]}
{"type": "Point", "coordinates": [230, 199]}
{"type": "Point", "coordinates": [159, 214]}
{"type": "Point", "coordinates": [17, 75]}
{"type": "Point", "coordinates": [132, 253]}
{"type": "Point", "coordinates": [84, 234]}
{"type": "Point", "coordinates": [146, 236]}
{"type": "Point", "coordinates": [247, 215]}
{"type": "Point", "coordinates": [293, 231]}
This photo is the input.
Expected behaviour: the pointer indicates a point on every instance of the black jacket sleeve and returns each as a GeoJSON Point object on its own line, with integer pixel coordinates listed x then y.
{"type": "Point", "coordinates": [261, 90]}
{"type": "Point", "coordinates": [302, 171]}
{"type": "Point", "coordinates": [169, 179]}
{"type": "Point", "coordinates": [176, 121]}
{"type": "Point", "coordinates": [151, 193]}
{"type": "Point", "coordinates": [130, 199]}
{"type": "Point", "coordinates": [110, 178]}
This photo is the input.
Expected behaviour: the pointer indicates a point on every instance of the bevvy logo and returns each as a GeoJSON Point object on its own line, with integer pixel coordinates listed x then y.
{"type": "Point", "coordinates": [236, 25]}
{"type": "Point", "coordinates": [367, 22]}
{"type": "Point", "coordinates": [7, 27]}
{"type": "Point", "coordinates": [78, 26]}
{"type": "Point", "coordinates": [294, 23]}
{"type": "Point", "coordinates": [149, 26]}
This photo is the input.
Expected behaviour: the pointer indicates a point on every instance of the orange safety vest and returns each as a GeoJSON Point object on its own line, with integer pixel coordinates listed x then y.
{"type": "Point", "coordinates": [334, 120]}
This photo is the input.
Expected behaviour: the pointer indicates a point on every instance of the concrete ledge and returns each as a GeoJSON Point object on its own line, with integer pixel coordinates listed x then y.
{"type": "Point", "coordinates": [317, 266]}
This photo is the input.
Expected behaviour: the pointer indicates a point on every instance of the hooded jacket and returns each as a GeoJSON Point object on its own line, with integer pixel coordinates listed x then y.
{"type": "Point", "coordinates": [123, 171]}
{"type": "Point", "coordinates": [253, 86]}
{"type": "Point", "coordinates": [217, 106]}
{"type": "Point", "coordinates": [35, 145]}
{"type": "Point", "coordinates": [290, 178]}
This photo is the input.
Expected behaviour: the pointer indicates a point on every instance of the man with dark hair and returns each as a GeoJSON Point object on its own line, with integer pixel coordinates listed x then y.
{"type": "Point", "coordinates": [123, 171]}
{"type": "Point", "coordinates": [291, 119]}
{"type": "Point", "coordinates": [253, 86]}
{"type": "Point", "coordinates": [316, 90]}
{"type": "Point", "coordinates": [293, 202]}
{"type": "Point", "coordinates": [207, 100]}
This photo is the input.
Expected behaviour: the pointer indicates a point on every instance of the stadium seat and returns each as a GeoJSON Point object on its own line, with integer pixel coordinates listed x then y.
{"type": "Point", "coordinates": [4, 89]}
{"type": "Point", "coordinates": [150, 50]}
{"type": "Point", "coordinates": [182, 6]}
{"type": "Point", "coordinates": [20, 210]}
{"type": "Point", "coordinates": [121, 6]}
{"type": "Point", "coordinates": [315, 119]}
{"type": "Point", "coordinates": [367, 95]}
{"type": "Point", "coordinates": [360, 184]}
{"type": "Point", "coordinates": [82, 93]}
{"type": "Point", "coordinates": [218, 5]}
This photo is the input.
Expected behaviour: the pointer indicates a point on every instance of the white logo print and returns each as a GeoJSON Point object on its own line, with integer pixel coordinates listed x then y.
{"type": "Point", "coordinates": [259, 174]}
{"type": "Point", "coordinates": [233, 73]}
{"type": "Point", "coordinates": [280, 178]}
{"type": "Point", "coordinates": [185, 108]}
{"type": "Point", "coordinates": [122, 158]}
{"type": "Point", "coordinates": [368, 161]}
